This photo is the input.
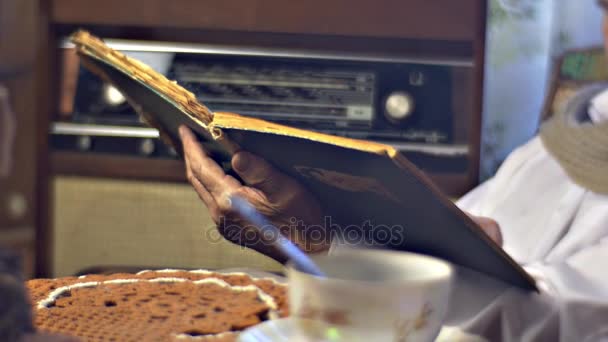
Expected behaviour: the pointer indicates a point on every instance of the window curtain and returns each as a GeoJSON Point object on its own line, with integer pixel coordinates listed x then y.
{"type": "Point", "coordinates": [523, 39]}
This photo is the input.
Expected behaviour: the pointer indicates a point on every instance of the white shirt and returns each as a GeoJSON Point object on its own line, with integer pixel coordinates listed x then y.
{"type": "Point", "coordinates": [558, 231]}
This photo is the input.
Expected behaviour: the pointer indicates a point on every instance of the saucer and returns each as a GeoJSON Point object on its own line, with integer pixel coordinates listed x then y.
{"type": "Point", "coordinates": [284, 330]}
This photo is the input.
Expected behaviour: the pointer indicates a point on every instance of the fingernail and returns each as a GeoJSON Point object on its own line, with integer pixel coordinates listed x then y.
{"type": "Point", "coordinates": [241, 162]}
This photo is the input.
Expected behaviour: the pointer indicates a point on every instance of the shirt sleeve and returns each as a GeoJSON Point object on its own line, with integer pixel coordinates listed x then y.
{"type": "Point", "coordinates": [471, 201]}
{"type": "Point", "coordinates": [474, 201]}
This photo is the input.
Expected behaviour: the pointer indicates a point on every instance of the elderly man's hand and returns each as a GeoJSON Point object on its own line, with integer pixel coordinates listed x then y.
{"type": "Point", "coordinates": [284, 202]}
{"type": "Point", "coordinates": [490, 227]}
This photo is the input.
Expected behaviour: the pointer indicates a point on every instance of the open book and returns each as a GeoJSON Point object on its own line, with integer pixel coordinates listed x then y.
{"type": "Point", "coordinates": [359, 183]}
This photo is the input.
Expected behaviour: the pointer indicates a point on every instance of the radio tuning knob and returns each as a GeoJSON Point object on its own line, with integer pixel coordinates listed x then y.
{"type": "Point", "coordinates": [146, 147]}
{"type": "Point", "coordinates": [84, 143]}
{"type": "Point", "coordinates": [398, 106]}
{"type": "Point", "coordinates": [113, 96]}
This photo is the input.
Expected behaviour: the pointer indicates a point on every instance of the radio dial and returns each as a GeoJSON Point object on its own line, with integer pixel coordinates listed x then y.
{"type": "Point", "coordinates": [398, 106]}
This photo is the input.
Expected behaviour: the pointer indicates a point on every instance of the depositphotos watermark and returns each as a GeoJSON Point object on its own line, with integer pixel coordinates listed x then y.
{"type": "Point", "coordinates": [306, 235]}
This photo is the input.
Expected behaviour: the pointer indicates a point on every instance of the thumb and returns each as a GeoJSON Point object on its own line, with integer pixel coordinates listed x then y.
{"type": "Point", "coordinates": [258, 173]}
{"type": "Point", "coordinates": [491, 228]}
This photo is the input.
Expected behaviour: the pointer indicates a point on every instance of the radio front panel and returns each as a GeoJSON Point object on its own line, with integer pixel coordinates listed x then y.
{"type": "Point", "coordinates": [420, 106]}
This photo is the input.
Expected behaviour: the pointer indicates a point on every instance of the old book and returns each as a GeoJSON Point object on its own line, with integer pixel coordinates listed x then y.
{"type": "Point", "coordinates": [359, 183]}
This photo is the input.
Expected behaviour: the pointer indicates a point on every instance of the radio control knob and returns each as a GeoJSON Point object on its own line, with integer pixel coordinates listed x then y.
{"type": "Point", "coordinates": [147, 147]}
{"type": "Point", "coordinates": [17, 205]}
{"type": "Point", "coordinates": [172, 152]}
{"type": "Point", "coordinates": [113, 96]}
{"type": "Point", "coordinates": [398, 106]}
{"type": "Point", "coordinates": [84, 143]}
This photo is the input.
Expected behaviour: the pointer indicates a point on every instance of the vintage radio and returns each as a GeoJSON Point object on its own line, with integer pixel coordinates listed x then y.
{"type": "Point", "coordinates": [417, 105]}
{"type": "Point", "coordinates": [407, 73]}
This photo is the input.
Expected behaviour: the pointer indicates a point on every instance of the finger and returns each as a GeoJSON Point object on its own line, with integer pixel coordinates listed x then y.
{"type": "Point", "coordinates": [201, 191]}
{"type": "Point", "coordinates": [258, 173]}
{"type": "Point", "coordinates": [192, 147]}
{"type": "Point", "coordinates": [205, 169]}
{"type": "Point", "coordinates": [490, 227]}
{"type": "Point", "coordinates": [206, 197]}
{"type": "Point", "coordinates": [193, 150]}
{"type": "Point", "coordinates": [493, 230]}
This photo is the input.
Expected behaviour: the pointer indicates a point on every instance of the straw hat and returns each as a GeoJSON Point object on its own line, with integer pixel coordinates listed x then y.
{"type": "Point", "coordinates": [580, 146]}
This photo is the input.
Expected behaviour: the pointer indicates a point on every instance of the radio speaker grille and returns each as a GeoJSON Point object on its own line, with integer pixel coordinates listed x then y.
{"type": "Point", "coordinates": [101, 222]}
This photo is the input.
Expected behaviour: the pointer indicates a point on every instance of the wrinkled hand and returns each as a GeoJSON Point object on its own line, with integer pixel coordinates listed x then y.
{"type": "Point", "coordinates": [284, 202]}
{"type": "Point", "coordinates": [489, 226]}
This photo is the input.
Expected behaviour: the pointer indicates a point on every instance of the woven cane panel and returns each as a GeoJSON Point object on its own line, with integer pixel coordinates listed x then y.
{"type": "Point", "coordinates": [101, 222]}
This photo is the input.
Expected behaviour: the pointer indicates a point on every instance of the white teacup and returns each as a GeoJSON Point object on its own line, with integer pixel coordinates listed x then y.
{"type": "Point", "coordinates": [371, 295]}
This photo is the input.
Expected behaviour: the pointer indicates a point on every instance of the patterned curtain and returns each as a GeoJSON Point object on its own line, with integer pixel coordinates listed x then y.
{"type": "Point", "coordinates": [523, 39]}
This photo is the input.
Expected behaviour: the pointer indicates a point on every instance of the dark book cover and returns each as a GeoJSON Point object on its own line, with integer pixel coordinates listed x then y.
{"type": "Point", "coordinates": [363, 186]}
